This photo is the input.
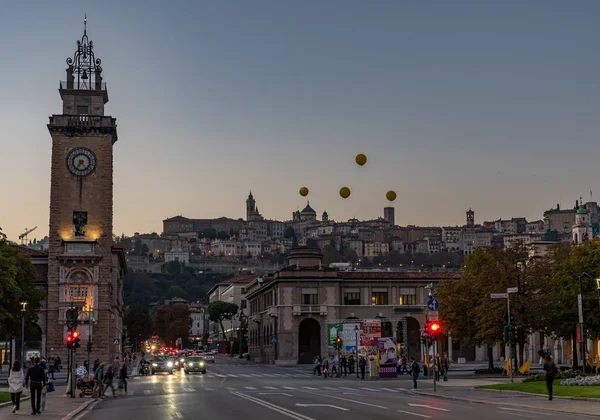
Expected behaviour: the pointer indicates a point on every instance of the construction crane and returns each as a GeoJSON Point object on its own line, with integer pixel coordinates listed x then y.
{"type": "Point", "coordinates": [23, 236]}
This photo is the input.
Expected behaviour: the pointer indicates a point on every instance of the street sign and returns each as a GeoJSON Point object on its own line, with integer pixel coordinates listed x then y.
{"type": "Point", "coordinates": [499, 295]}
{"type": "Point", "coordinates": [433, 316]}
{"type": "Point", "coordinates": [433, 304]}
{"type": "Point", "coordinates": [116, 341]}
{"type": "Point", "coordinates": [210, 339]}
{"type": "Point", "coordinates": [273, 339]}
{"type": "Point", "coordinates": [179, 341]}
{"type": "Point", "coordinates": [512, 290]}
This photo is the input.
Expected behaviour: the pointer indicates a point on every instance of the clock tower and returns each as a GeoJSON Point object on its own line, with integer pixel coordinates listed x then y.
{"type": "Point", "coordinates": [85, 270]}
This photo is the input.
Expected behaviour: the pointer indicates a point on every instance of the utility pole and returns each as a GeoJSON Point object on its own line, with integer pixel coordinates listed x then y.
{"type": "Point", "coordinates": [24, 305]}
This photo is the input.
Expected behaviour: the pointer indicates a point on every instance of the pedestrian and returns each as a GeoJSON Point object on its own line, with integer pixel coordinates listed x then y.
{"type": "Point", "coordinates": [437, 367]}
{"type": "Point", "coordinates": [344, 365]}
{"type": "Point", "coordinates": [38, 380]}
{"type": "Point", "coordinates": [351, 363]}
{"type": "Point", "coordinates": [108, 380]}
{"type": "Point", "coordinates": [15, 385]}
{"type": "Point", "coordinates": [317, 365]}
{"type": "Point", "coordinates": [123, 378]}
{"type": "Point", "coordinates": [414, 371]}
{"type": "Point", "coordinates": [551, 372]}
{"type": "Point", "coordinates": [99, 379]}
{"type": "Point", "coordinates": [96, 364]}
{"type": "Point", "coordinates": [325, 365]}
{"type": "Point", "coordinates": [362, 364]}
{"type": "Point", "coordinates": [445, 366]}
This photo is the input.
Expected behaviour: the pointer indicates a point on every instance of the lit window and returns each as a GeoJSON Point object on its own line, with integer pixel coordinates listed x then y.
{"type": "Point", "coordinates": [379, 298]}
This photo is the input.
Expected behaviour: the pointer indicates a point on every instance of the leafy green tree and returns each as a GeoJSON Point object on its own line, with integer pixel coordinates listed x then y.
{"type": "Point", "coordinates": [174, 268]}
{"type": "Point", "coordinates": [218, 311]}
{"type": "Point", "coordinates": [138, 322]}
{"type": "Point", "coordinates": [331, 255]}
{"type": "Point", "coordinates": [222, 235]}
{"type": "Point", "coordinates": [17, 284]}
{"type": "Point", "coordinates": [551, 235]}
{"type": "Point", "coordinates": [209, 233]}
{"type": "Point", "coordinates": [289, 233]}
{"type": "Point", "coordinates": [145, 250]}
{"type": "Point", "coordinates": [173, 322]}
{"type": "Point", "coordinates": [351, 255]}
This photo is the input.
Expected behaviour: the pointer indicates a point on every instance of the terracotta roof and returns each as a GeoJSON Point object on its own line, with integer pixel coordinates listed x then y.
{"type": "Point", "coordinates": [383, 275]}
{"type": "Point", "coordinates": [242, 279]}
{"type": "Point", "coordinates": [33, 253]}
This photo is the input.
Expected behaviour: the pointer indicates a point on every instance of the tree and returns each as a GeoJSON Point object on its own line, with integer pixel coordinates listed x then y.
{"type": "Point", "coordinates": [145, 250]}
{"type": "Point", "coordinates": [138, 322]}
{"type": "Point", "coordinates": [222, 235]}
{"type": "Point", "coordinates": [351, 255]}
{"type": "Point", "coordinates": [209, 233]}
{"type": "Point", "coordinates": [550, 235]}
{"type": "Point", "coordinates": [311, 243]}
{"type": "Point", "coordinates": [331, 255]}
{"type": "Point", "coordinates": [289, 233]}
{"type": "Point", "coordinates": [137, 247]}
{"type": "Point", "coordinates": [473, 317]}
{"type": "Point", "coordinates": [173, 322]}
{"type": "Point", "coordinates": [174, 268]}
{"type": "Point", "coordinates": [17, 284]}
{"type": "Point", "coordinates": [218, 311]}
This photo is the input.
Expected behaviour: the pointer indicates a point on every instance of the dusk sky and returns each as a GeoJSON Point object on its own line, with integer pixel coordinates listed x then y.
{"type": "Point", "coordinates": [492, 105]}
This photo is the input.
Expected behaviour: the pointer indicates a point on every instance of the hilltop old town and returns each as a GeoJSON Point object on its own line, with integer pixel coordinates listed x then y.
{"type": "Point", "coordinates": [302, 318]}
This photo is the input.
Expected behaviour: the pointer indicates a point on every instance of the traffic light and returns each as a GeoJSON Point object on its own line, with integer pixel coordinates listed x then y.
{"type": "Point", "coordinates": [434, 328]}
{"type": "Point", "coordinates": [505, 335]}
{"type": "Point", "coordinates": [89, 347]}
{"type": "Point", "coordinates": [76, 339]}
{"type": "Point", "coordinates": [338, 343]}
{"type": "Point", "coordinates": [69, 340]}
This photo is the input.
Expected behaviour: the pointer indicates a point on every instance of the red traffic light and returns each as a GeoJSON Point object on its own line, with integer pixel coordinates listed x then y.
{"type": "Point", "coordinates": [69, 338]}
{"type": "Point", "coordinates": [75, 334]}
{"type": "Point", "coordinates": [435, 327]}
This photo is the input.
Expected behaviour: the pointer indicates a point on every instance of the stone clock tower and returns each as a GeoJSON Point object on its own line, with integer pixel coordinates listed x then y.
{"type": "Point", "coordinates": [85, 271]}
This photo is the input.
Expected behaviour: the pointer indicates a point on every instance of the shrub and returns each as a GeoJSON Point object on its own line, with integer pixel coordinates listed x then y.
{"type": "Point", "coordinates": [565, 374]}
{"type": "Point", "coordinates": [582, 381]}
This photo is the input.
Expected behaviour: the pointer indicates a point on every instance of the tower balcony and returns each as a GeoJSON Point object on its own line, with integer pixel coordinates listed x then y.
{"type": "Point", "coordinates": [81, 125]}
{"type": "Point", "coordinates": [79, 252]}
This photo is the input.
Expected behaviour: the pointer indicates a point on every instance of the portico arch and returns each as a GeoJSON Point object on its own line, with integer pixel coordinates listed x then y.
{"type": "Point", "coordinates": [309, 340]}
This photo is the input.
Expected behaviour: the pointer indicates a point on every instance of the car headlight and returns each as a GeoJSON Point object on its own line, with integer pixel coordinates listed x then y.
{"type": "Point", "coordinates": [191, 364]}
{"type": "Point", "coordinates": [170, 364]}
{"type": "Point", "coordinates": [182, 360]}
{"type": "Point", "coordinates": [154, 364]}
{"type": "Point", "coordinates": [201, 364]}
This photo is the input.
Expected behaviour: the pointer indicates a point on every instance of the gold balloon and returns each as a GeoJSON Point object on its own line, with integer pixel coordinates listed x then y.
{"type": "Point", "coordinates": [390, 195]}
{"type": "Point", "coordinates": [344, 192]}
{"type": "Point", "coordinates": [361, 159]}
{"type": "Point", "coordinates": [303, 191]}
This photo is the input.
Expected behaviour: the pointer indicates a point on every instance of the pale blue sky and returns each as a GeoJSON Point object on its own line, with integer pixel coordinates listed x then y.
{"type": "Point", "coordinates": [485, 104]}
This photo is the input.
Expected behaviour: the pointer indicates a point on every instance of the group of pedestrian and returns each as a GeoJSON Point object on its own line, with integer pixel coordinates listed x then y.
{"type": "Point", "coordinates": [105, 376]}
{"type": "Point", "coordinates": [36, 379]}
{"type": "Point", "coordinates": [342, 366]}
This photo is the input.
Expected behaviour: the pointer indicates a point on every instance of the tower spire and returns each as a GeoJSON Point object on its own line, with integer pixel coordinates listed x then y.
{"type": "Point", "coordinates": [85, 24]}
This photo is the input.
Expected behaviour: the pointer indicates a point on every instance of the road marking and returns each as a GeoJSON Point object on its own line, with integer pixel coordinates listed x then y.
{"type": "Point", "coordinates": [274, 393]}
{"type": "Point", "coordinates": [330, 388]}
{"type": "Point", "coordinates": [137, 377]}
{"type": "Point", "coordinates": [414, 414]}
{"type": "Point", "coordinates": [232, 375]}
{"type": "Point", "coordinates": [310, 387]}
{"type": "Point", "coordinates": [517, 414]}
{"type": "Point", "coordinates": [369, 389]}
{"type": "Point", "coordinates": [274, 407]}
{"type": "Point", "coordinates": [269, 387]}
{"type": "Point", "coordinates": [428, 406]}
{"type": "Point", "coordinates": [266, 374]}
{"type": "Point", "coordinates": [178, 414]}
{"type": "Point", "coordinates": [250, 387]}
{"type": "Point", "coordinates": [279, 375]}
{"type": "Point", "coordinates": [352, 393]}
{"type": "Point", "coordinates": [352, 401]}
{"type": "Point", "coordinates": [148, 391]}
{"type": "Point", "coordinates": [321, 405]}
{"type": "Point", "coordinates": [245, 375]}
{"type": "Point", "coordinates": [189, 389]}
{"type": "Point", "coordinates": [346, 388]}
{"type": "Point", "coordinates": [289, 387]}
{"type": "Point", "coordinates": [389, 389]}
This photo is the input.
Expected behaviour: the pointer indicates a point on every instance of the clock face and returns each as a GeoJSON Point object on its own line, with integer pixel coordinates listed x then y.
{"type": "Point", "coordinates": [81, 161]}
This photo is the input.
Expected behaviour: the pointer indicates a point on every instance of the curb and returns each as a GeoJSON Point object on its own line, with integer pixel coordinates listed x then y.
{"type": "Point", "coordinates": [6, 404]}
{"type": "Point", "coordinates": [539, 395]}
{"type": "Point", "coordinates": [505, 404]}
{"type": "Point", "coordinates": [79, 409]}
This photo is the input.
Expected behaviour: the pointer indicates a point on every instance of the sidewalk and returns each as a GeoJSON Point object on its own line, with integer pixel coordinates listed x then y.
{"type": "Point", "coordinates": [58, 406]}
{"type": "Point", "coordinates": [510, 399]}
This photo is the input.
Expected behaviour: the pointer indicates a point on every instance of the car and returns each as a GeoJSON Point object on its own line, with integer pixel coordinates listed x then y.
{"type": "Point", "coordinates": [194, 364]}
{"type": "Point", "coordinates": [162, 364]}
{"type": "Point", "coordinates": [209, 357]}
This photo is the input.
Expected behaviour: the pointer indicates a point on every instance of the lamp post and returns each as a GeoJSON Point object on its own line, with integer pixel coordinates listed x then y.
{"type": "Point", "coordinates": [356, 330]}
{"type": "Point", "coordinates": [580, 309]}
{"type": "Point", "coordinates": [92, 320]}
{"type": "Point", "coordinates": [23, 306]}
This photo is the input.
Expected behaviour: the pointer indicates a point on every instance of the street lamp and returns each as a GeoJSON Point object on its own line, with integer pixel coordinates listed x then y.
{"type": "Point", "coordinates": [580, 309]}
{"type": "Point", "coordinates": [89, 345]}
{"type": "Point", "coordinates": [356, 330]}
{"type": "Point", "coordinates": [23, 306]}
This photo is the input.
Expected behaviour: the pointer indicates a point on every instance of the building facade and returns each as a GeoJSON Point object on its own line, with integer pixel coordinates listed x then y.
{"type": "Point", "coordinates": [84, 269]}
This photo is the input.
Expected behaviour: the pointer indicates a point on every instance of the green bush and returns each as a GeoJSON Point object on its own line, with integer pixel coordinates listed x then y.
{"type": "Point", "coordinates": [565, 374]}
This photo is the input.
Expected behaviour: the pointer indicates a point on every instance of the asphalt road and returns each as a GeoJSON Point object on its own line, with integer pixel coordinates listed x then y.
{"type": "Point", "coordinates": [233, 390]}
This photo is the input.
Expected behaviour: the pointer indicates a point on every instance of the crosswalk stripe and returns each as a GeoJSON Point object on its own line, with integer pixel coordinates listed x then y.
{"type": "Point", "coordinates": [148, 391]}
{"type": "Point", "coordinates": [268, 375]}
{"type": "Point", "coordinates": [330, 388]}
{"type": "Point", "coordinates": [309, 387]}
{"type": "Point", "coordinates": [250, 387]}
{"type": "Point", "coordinates": [369, 389]}
{"type": "Point", "coordinates": [232, 375]}
{"type": "Point", "coordinates": [244, 375]}
{"type": "Point", "coordinates": [269, 387]}
{"type": "Point", "coordinates": [289, 387]}
{"type": "Point", "coordinates": [346, 388]}
{"type": "Point", "coordinates": [389, 389]}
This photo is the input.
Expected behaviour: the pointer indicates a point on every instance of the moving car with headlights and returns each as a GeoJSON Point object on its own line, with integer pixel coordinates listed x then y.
{"type": "Point", "coordinates": [162, 364]}
{"type": "Point", "coordinates": [194, 364]}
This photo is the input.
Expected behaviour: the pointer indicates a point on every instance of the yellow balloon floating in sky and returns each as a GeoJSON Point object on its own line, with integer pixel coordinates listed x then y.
{"type": "Point", "coordinates": [390, 195]}
{"type": "Point", "coordinates": [344, 192]}
{"type": "Point", "coordinates": [361, 159]}
{"type": "Point", "coordinates": [303, 191]}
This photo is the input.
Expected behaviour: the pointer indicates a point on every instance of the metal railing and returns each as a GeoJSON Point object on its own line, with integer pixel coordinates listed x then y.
{"type": "Point", "coordinates": [82, 121]}
{"type": "Point", "coordinates": [82, 85]}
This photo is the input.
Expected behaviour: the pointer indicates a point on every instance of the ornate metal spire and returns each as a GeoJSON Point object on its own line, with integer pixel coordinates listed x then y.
{"type": "Point", "coordinates": [83, 64]}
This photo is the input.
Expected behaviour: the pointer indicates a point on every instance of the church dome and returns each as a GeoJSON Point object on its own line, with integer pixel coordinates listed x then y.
{"type": "Point", "coordinates": [308, 210]}
{"type": "Point", "coordinates": [581, 210]}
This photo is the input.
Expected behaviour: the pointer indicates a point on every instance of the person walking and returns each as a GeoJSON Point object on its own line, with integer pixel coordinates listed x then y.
{"type": "Point", "coordinates": [37, 375]}
{"type": "Point", "coordinates": [123, 377]}
{"type": "Point", "coordinates": [362, 364]}
{"type": "Point", "coordinates": [317, 365]}
{"type": "Point", "coordinates": [551, 371]}
{"type": "Point", "coordinates": [445, 366]}
{"type": "Point", "coordinates": [414, 371]}
{"type": "Point", "coordinates": [344, 363]}
{"type": "Point", "coordinates": [108, 380]}
{"type": "Point", "coordinates": [15, 386]}
{"type": "Point", "coordinates": [99, 381]}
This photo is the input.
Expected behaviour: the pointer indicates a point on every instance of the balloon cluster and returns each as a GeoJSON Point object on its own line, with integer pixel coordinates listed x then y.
{"type": "Point", "coordinates": [361, 160]}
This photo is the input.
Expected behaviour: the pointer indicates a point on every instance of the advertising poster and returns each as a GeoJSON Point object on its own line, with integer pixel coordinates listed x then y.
{"type": "Point", "coordinates": [388, 357]}
{"type": "Point", "coordinates": [332, 333]}
{"type": "Point", "coordinates": [349, 336]}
